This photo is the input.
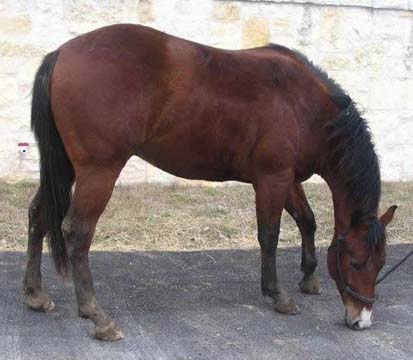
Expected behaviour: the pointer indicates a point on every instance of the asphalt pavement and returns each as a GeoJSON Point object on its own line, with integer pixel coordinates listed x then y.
{"type": "Point", "coordinates": [202, 305]}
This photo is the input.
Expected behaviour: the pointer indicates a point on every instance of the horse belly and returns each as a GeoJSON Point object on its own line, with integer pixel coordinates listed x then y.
{"type": "Point", "coordinates": [181, 158]}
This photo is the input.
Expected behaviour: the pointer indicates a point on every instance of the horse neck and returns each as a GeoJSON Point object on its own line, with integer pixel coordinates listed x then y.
{"type": "Point", "coordinates": [344, 208]}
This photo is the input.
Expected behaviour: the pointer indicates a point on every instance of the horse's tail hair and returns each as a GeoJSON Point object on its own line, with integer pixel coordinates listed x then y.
{"type": "Point", "coordinates": [56, 170]}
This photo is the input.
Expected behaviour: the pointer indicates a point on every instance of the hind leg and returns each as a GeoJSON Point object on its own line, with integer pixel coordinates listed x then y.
{"type": "Point", "coordinates": [36, 297]}
{"type": "Point", "coordinates": [298, 207]}
{"type": "Point", "coordinates": [93, 189]}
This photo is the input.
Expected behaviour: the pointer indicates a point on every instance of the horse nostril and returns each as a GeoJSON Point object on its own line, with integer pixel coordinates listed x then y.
{"type": "Point", "coordinates": [356, 325]}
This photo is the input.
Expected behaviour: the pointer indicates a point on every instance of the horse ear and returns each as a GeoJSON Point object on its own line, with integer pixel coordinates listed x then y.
{"type": "Point", "coordinates": [388, 215]}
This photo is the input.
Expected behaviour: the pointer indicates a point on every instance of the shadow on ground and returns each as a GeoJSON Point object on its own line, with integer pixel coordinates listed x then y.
{"type": "Point", "coordinates": [202, 305]}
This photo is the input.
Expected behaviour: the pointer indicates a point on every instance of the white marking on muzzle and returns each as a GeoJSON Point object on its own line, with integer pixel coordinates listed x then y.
{"type": "Point", "coordinates": [365, 319]}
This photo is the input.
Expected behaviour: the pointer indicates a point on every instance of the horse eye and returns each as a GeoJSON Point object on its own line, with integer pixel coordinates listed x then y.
{"type": "Point", "coordinates": [354, 264]}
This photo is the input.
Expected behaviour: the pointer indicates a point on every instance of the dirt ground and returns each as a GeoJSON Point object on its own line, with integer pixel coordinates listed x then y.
{"type": "Point", "coordinates": [159, 217]}
{"type": "Point", "coordinates": [202, 305]}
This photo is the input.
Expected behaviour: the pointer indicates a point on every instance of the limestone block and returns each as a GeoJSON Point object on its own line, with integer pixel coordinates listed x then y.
{"type": "Point", "coordinates": [369, 57]}
{"type": "Point", "coordinates": [386, 93]}
{"type": "Point", "coordinates": [89, 11]}
{"type": "Point", "coordinates": [394, 143]}
{"type": "Point", "coordinates": [395, 157]}
{"type": "Point", "coordinates": [255, 32]}
{"type": "Point", "coordinates": [25, 76]}
{"type": "Point", "coordinates": [188, 19]}
{"type": "Point", "coordinates": [336, 62]}
{"type": "Point", "coordinates": [156, 175]}
{"type": "Point", "coordinates": [407, 163]}
{"type": "Point", "coordinates": [10, 65]}
{"type": "Point", "coordinates": [9, 48]}
{"type": "Point", "coordinates": [134, 171]}
{"type": "Point", "coordinates": [226, 11]}
{"type": "Point", "coordinates": [391, 25]}
{"type": "Point", "coordinates": [8, 90]}
{"type": "Point", "coordinates": [348, 34]}
{"type": "Point", "coordinates": [382, 124]}
{"type": "Point", "coordinates": [146, 12]}
{"type": "Point", "coordinates": [87, 15]}
{"type": "Point", "coordinates": [391, 164]}
{"type": "Point", "coordinates": [15, 25]}
{"type": "Point", "coordinates": [284, 23]}
{"type": "Point", "coordinates": [330, 29]}
{"type": "Point", "coordinates": [79, 28]}
{"type": "Point", "coordinates": [407, 96]}
{"type": "Point", "coordinates": [225, 35]}
{"type": "Point", "coordinates": [392, 4]}
{"type": "Point", "coordinates": [393, 66]}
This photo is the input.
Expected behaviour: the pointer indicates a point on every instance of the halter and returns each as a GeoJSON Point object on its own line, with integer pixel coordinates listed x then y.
{"type": "Point", "coordinates": [346, 288]}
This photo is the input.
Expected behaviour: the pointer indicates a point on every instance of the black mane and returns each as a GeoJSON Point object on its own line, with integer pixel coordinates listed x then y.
{"type": "Point", "coordinates": [352, 155]}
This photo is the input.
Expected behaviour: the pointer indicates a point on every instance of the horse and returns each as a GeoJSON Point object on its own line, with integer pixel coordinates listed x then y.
{"type": "Point", "coordinates": [265, 116]}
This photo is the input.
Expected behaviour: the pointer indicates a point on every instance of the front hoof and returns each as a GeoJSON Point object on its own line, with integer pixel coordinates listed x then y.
{"type": "Point", "coordinates": [310, 285]}
{"type": "Point", "coordinates": [108, 332]}
{"type": "Point", "coordinates": [285, 305]}
{"type": "Point", "coordinates": [39, 301]}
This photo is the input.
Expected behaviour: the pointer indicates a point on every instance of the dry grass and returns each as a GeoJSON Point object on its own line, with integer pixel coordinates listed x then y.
{"type": "Point", "coordinates": [155, 217]}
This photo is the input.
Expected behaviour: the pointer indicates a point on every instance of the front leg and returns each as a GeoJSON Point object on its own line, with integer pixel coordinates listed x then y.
{"type": "Point", "coordinates": [298, 207]}
{"type": "Point", "coordinates": [271, 194]}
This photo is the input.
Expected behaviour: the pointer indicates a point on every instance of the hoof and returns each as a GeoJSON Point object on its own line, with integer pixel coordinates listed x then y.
{"type": "Point", "coordinates": [39, 301]}
{"type": "Point", "coordinates": [108, 332]}
{"type": "Point", "coordinates": [285, 305]}
{"type": "Point", "coordinates": [310, 285]}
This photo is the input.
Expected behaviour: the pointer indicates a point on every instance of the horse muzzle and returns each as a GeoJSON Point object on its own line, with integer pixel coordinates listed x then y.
{"type": "Point", "coordinates": [359, 322]}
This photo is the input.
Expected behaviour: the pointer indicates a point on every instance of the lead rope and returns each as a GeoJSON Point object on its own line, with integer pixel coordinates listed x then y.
{"type": "Point", "coordinates": [394, 268]}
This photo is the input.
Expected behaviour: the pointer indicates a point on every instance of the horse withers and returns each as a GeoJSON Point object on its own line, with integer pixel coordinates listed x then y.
{"type": "Point", "coordinates": [265, 116]}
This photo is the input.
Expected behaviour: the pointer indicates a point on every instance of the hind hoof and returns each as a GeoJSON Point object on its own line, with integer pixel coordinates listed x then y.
{"type": "Point", "coordinates": [108, 332]}
{"type": "Point", "coordinates": [285, 305]}
{"type": "Point", "coordinates": [310, 285]}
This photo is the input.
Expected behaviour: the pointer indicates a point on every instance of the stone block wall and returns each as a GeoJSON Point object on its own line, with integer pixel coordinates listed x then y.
{"type": "Point", "coordinates": [366, 45]}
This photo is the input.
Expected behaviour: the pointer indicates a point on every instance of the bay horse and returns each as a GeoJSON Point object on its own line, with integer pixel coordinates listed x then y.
{"type": "Point", "coordinates": [265, 116]}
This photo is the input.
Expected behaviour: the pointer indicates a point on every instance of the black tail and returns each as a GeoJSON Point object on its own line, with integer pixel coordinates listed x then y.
{"type": "Point", "coordinates": [56, 170]}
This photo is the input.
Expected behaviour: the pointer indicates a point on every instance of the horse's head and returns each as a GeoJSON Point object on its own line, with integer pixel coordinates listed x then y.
{"type": "Point", "coordinates": [354, 261]}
